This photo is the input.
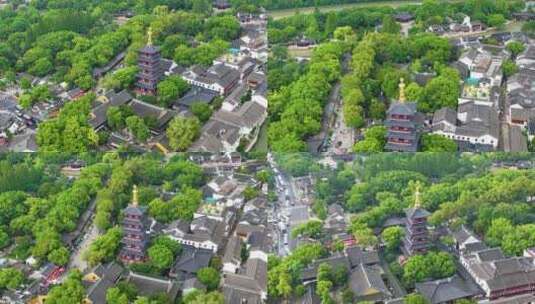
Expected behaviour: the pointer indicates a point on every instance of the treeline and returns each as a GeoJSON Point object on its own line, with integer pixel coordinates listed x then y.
{"type": "Point", "coordinates": [34, 222]}
{"type": "Point", "coordinates": [279, 4]}
{"type": "Point", "coordinates": [296, 109]}
{"type": "Point", "coordinates": [321, 25]}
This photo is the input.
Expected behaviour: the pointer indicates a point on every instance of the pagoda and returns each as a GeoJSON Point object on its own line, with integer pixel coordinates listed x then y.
{"type": "Point", "coordinates": [402, 123]}
{"type": "Point", "coordinates": [150, 69]}
{"type": "Point", "coordinates": [134, 236]}
{"type": "Point", "coordinates": [416, 240]}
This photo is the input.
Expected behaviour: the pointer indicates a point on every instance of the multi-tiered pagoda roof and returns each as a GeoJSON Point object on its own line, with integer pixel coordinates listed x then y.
{"type": "Point", "coordinates": [416, 238]}
{"type": "Point", "coordinates": [403, 124]}
{"type": "Point", "coordinates": [135, 238]}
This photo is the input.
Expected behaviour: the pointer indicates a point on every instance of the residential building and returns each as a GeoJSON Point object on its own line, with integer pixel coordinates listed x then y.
{"type": "Point", "coordinates": [219, 78]}
{"type": "Point", "coordinates": [448, 290]}
{"type": "Point", "coordinates": [368, 285]}
{"type": "Point", "coordinates": [203, 232]}
{"type": "Point", "coordinates": [521, 96]}
{"type": "Point", "coordinates": [497, 275]}
{"type": "Point", "coordinates": [226, 129]}
{"type": "Point", "coordinates": [190, 261]}
{"type": "Point", "coordinates": [232, 257]}
{"type": "Point", "coordinates": [484, 64]}
{"type": "Point", "coordinates": [473, 126]}
{"type": "Point", "coordinates": [250, 285]}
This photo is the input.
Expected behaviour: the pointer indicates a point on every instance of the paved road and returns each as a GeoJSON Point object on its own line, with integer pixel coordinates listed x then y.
{"type": "Point", "coordinates": [331, 111]}
{"type": "Point", "coordinates": [76, 258]}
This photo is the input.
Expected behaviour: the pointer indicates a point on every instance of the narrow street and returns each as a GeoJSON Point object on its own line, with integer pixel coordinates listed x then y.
{"type": "Point", "coordinates": [396, 288]}
{"type": "Point", "coordinates": [76, 259]}
{"type": "Point", "coordinates": [332, 120]}
{"type": "Point", "coordinates": [286, 198]}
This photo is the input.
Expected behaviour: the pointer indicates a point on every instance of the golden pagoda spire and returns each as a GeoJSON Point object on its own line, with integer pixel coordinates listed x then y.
{"type": "Point", "coordinates": [417, 196]}
{"type": "Point", "coordinates": [135, 201]}
{"type": "Point", "coordinates": [149, 34]}
{"type": "Point", "coordinates": [402, 90]}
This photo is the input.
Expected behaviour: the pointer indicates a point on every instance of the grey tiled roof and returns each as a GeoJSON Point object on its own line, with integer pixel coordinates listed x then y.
{"type": "Point", "coordinates": [98, 114]}
{"type": "Point", "coordinates": [417, 213]}
{"type": "Point", "coordinates": [367, 284]}
{"type": "Point", "coordinates": [445, 114]}
{"type": "Point", "coordinates": [147, 285]}
{"type": "Point", "coordinates": [192, 259]}
{"type": "Point", "coordinates": [447, 290]}
{"type": "Point", "coordinates": [233, 251]}
{"type": "Point", "coordinates": [144, 109]}
{"type": "Point", "coordinates": [402, 108]}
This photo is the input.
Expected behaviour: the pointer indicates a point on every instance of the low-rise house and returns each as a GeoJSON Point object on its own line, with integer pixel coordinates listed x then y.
{"type": "Point", "coordinates": [196, 95]}
{"type": "Point", "coordinates": [335, 222]}
{"type": "Point", "coordinates": [191, 285]}
{"type": "Point", "coordinates": [190, 261]}
{"type": "Point", "coordinates": [463, 237]}
{"type": "Point", "coordinates": [99, 279]}
{"type": "Point", "coordinates": [521, 96]}
{"type": "Point", "coordinates": [244, 64]}
{"type": "Point", "coordinates": [101, 71]}
{"type": "Point", "coordinates": [368, 285]}
{"type": "Point", "coordinates": [232, 257]}
{"type": "Point", "coordinates": [474, 124]}
{"type": "Point", "coordinates": [161, 116]}
{"type": "Point", "coordinates": [448, 290]}
{"type": "Point", "coordinates": [203, 232]}
{"type": "Point", "coordinates": [98, 115]}
{"type": "Point", "coordinates": [497, 275]}
{"type": "Point", "coordinates": [526, 59]}
{"type": "Point", "coordinates": [74, 93]}
{"type": "Point", "coordinates": [221, 4]}
{"type": "Point", "coordinates": [226, 129]}
{"type": "Point", "coordinates": [249, 286]}
{"type": "Point", "coordinates": [403, 17]}
{"type": "Point", "coordinates": [482, 63]}
{"type": "Point", "coordinates": [149, 286]}
{"type": "Point", "coordinates": [219, 78]}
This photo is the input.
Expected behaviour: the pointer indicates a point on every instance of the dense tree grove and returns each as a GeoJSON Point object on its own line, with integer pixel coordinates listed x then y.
{"type": "Point", "coordinates": [70, 38]}
{"type": "Point", "coordinates": [432, 7]}
{"type": "Point", "coordinates": [432, 265]}
{"type": "Point", "coordinates": [70, 131]}
{"type": "Point", "coordinates": [296, 109]}
{"type": "Point", "coordinates": [283, 273]}
{"type": "Point", "coordinates": [182, 131]}
{"type": "Point", "coordinates": [36, 215]}
{"type": "Point", "coordinates": [437, 143]}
